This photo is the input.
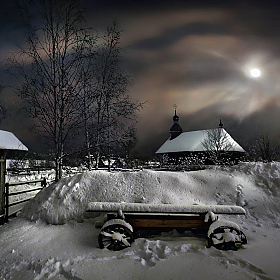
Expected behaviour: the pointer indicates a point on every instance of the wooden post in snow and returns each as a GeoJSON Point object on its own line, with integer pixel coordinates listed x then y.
{"type": "Point", "coordinates": [2, 185]}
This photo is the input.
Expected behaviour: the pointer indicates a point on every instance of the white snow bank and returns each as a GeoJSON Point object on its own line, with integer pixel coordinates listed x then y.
{"type": "Point", "coordinates": [70, 251]}
{"type": "Point", "coordinates": [252, 186]}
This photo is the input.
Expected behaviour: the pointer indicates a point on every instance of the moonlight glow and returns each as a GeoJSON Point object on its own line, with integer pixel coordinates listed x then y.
{"type": "Point", "coordinates": [255, 73]}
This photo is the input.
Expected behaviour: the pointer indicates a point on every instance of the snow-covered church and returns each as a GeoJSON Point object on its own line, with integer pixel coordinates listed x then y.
{"type": "Point", "coordinates": [185, 144]}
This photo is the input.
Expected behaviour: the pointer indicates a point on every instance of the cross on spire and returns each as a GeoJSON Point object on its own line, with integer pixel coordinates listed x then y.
{"type": "Point", "coordinates": [175, 118]}
{"type": "Point", "coordinates": [175, 106]}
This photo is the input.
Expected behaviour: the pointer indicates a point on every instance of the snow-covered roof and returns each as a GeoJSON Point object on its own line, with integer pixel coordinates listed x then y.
{"type": "Point", "coordinates": [8, 141]}
{"type": "Point", "coordinates": [192, 142]}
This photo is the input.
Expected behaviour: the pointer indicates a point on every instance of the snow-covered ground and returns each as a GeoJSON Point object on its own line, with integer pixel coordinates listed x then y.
{"type": "Point", "coordinates": [52, 240]}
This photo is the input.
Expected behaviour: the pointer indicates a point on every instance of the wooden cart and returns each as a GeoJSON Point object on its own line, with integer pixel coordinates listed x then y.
{"type": "Point", "coordinates": [122, 219]}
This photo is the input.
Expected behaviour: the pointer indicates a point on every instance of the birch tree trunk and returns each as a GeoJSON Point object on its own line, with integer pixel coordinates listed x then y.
{"type": "Point", "coordinates": [48, 69]}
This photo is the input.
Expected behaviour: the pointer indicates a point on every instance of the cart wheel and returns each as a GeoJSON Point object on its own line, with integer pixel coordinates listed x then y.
{"type": "Point", "coordinates": [226, 238]}
{"type": "Point", "coordinates": [116, 236]}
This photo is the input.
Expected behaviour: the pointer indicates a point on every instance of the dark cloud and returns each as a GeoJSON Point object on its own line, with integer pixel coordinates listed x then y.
{"type": "Point", "coordinates": [193, 53]}
{"type": "Point", "coordinates": [257, 20]}
{"type": "Point", "coordinates": [147, 5]}
{"type": "Point", "coordinates": [173, 35]}
{"type": "Point", "coordinates": [207, 69]}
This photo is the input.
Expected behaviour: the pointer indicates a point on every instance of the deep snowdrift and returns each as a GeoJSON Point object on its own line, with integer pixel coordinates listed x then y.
{"type": "Point", "coordinates": [255, 186]}
{"type": "Point", "coordinates": [37, 250]}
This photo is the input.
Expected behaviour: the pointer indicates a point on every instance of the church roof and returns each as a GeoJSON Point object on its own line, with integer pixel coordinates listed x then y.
{"type": "Point", "coordinates": [192, 142]}
{"type": "Point", "coordinates": [8, 141]}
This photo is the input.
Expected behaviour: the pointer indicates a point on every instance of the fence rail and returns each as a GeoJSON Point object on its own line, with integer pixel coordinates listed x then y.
{"type": "Point", "coordinates": [9, 194]}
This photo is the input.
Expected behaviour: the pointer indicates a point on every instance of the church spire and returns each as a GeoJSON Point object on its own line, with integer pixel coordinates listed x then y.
{"type": "Point", "coordinates": [221, 124]}
{"type": "Point", "coordinates": [175, 118]}
{"type": "Point", "coordinates": [175, 129]}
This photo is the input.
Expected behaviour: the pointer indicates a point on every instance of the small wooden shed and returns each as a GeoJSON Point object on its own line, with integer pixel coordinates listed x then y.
{"type": "Point", "coordinates": [8, 141]}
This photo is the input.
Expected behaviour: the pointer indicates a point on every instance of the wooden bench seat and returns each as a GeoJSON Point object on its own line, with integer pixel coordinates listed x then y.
{"type": "Point", "coordinates": [164, 208]}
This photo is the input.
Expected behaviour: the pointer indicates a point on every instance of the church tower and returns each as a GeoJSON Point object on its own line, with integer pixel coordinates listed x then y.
{"type": "Point", "coordinates": [175, 129]}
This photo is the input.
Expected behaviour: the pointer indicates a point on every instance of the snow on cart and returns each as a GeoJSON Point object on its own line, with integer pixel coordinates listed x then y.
{"type": "Point", "coordinates": [124, 219]}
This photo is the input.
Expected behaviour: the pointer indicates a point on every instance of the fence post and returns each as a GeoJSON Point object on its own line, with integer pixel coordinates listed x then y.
{"type": "Point", "coordinates": [44, 183]}
{"type": "Point", "coordinates": [7, 202]}
{"type": "Point", "coordinates": [2, 184]}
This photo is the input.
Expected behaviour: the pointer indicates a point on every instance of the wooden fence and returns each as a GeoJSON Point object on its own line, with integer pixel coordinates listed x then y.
{"type": "Point", "coordinates": [8, 210]}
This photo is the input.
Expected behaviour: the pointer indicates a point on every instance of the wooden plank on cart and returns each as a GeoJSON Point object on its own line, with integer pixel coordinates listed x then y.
{"type": "Point", "coordinates": [164, 208]}
{"type": "Point", "coordinates": [167, 221]}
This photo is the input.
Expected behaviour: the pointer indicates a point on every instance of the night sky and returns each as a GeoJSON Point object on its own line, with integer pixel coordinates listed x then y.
{"type": "Point", "coordinates": [218, 60]}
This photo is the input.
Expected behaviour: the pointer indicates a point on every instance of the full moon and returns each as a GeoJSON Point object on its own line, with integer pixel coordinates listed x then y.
{"type": "Point", "coordinates": [255, 73]}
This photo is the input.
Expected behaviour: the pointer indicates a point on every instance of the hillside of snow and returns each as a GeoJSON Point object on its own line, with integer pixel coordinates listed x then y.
{"type": "Point", "coordinates": [255, 186]}
{"type": "Point", "coordinates": [53, 239]}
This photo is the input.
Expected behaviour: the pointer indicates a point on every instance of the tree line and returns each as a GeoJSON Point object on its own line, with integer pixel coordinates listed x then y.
{"type": "Point", "coordinates": [72, 81]}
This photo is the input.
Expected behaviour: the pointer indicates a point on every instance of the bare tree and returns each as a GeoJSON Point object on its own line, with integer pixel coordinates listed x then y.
{"type": "Point", "coordinates": [48, 67]}
{"type": "Point", "coordinates": [2, 109]}
{"type": "Point", "coordinates": [216, 145]}
{"type": "Point", "coordinates": [263, 149]}
{"type": "Point", "coordinates": [114, 106]}
{"type": "Point", "coordinates": [88, 99]}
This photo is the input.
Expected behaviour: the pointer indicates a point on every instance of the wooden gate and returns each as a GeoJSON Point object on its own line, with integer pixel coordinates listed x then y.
{"type": "Point", "coordinates": [10, 208]}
